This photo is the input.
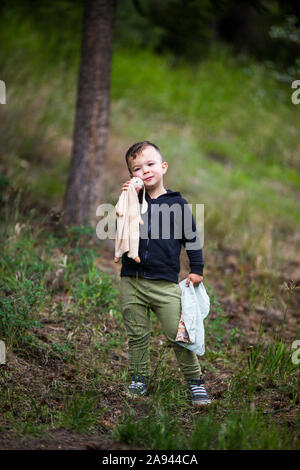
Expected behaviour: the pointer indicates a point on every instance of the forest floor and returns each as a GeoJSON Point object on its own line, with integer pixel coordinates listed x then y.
{"type": "Point", "coordinates": [243, 316]}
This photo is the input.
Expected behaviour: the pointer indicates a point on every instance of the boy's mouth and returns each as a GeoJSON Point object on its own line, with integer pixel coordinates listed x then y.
{"type": "Point", "coordinates": [147, 179]}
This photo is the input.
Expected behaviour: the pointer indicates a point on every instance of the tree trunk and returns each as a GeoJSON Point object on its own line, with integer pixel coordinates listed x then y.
{"type": "Point", "coordinates": [84, 187]}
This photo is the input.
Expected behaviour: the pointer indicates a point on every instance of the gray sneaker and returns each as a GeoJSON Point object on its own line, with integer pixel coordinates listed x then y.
{"type": "Point", "coordinates": [198, 392]}
{"type": "Point", "coordinates": [138, 386]}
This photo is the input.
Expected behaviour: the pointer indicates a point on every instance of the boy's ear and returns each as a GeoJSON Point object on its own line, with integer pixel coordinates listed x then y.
{"type": "Point", "coordinates": [165, 166]}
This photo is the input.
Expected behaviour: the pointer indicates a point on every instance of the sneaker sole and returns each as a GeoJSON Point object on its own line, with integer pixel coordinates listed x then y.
{"type": "Point", "coordinates": [135, 395]}
{"type": "Point", "coordinates": [206, 402]}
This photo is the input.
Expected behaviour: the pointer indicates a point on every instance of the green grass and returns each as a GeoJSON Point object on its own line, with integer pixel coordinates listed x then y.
{"type": "Point", "coordinates": [241, 430]}
{"type": "Point", "coordinates": [79, 413]}
{"type": "Point", "coordinates": [73, 355]}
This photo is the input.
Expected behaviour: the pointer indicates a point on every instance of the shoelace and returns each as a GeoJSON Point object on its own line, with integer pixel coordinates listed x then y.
{"type": "Point", "coordinates": [137, 386]}
{"type": "Point", "coordinates": [198, 390]}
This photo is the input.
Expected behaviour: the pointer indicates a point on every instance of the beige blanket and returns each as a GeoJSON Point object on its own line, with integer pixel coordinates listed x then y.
{"type": "Point", "coordinates": [128, 221]}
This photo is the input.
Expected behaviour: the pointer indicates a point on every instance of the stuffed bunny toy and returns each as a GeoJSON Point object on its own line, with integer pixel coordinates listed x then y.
{"type": "Point", "coordinates": [128, 215]}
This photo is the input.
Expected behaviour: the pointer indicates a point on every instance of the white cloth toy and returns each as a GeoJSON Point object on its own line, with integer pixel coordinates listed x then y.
{"type": "Point", "coordinates": [128, 215]}
{"type": "Point", "coordinates": [195, 306]}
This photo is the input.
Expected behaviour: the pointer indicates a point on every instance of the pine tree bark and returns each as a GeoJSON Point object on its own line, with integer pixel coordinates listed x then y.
{"type": "Point", "coordinates": [84, 186]}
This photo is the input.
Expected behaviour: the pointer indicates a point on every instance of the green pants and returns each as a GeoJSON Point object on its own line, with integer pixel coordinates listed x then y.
{"type": "Point", "coordinates": [137, 296]}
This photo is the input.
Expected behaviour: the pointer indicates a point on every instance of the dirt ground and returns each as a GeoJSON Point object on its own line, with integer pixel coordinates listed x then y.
{"type": "Point", "coordinates": [237, 308]}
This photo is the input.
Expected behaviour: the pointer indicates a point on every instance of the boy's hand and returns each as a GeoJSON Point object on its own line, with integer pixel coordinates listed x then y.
{"type": "Point", "coordinates": [195, 278]}
{"type": "Point", "coordinates": [125, 187]}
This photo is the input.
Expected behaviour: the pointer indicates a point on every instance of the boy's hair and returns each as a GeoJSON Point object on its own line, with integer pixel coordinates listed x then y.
{"type": "Point", "coordinates": [137, 148]}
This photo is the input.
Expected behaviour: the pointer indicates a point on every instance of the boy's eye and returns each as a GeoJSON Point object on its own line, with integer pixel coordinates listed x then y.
{"type": "Point", "coordinates": [135, 169]}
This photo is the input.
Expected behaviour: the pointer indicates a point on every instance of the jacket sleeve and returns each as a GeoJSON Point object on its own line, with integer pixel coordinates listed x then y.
{"type": "Point", "coordinates": [191, 240]}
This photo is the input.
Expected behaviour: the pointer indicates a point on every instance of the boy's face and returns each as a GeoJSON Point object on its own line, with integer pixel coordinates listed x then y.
{"type": "Point", "coordinates": [149, 167]}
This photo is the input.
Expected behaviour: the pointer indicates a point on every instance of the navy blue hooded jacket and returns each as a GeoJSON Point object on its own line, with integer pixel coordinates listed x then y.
{"type": "Point", "coordinates": [160, 254]}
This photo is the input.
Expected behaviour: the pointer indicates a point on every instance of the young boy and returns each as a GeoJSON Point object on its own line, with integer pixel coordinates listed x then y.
{"type": "Point", "coordinates": [153, 283]}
